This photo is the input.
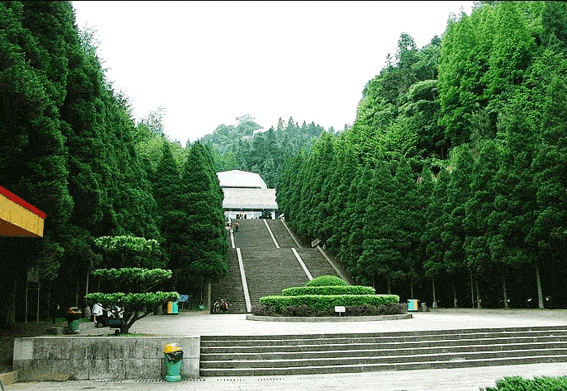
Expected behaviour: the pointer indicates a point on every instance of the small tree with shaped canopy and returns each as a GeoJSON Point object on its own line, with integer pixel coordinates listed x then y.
{"type": "Point", "coordinates": [137, 274]}
{"type": "Point", "coordinates": [136, 302]}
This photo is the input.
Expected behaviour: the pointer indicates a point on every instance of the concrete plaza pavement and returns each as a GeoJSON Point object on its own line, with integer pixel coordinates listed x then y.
{"type": "Point", "coordinates": [434, 379]}
{"type": "Point", "coordinates": [465, 379]}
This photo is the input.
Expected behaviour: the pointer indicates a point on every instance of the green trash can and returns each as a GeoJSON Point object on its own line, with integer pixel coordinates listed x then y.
{"type": "Point", "coordinates": [173, 361]}
{"type": "Point", "coordinates": [73, 317]}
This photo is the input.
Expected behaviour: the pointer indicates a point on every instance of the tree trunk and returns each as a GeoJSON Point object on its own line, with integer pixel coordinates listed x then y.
{"type": "Point", "coordinates": [209, 294]}
{"type": "Point", "coordinates": [125, 328]}
{"type": "Point", "coordinates": [389, 287]}
{"type": "Point", "coordinates": [77, 292]}
{"type": "Point", "coordinates": [411, 289]}
{"type": "Point", "coordinates": [478, 304]}
{"type": "Point", "coordinates": [87, 287]}
{"type": "Point", "coordinates": [455, 305]}
{"type": "Point", "coordinates": [11, 310]}
{"type": "Point", "coordinates": [539, 290]}
{"type": "Point", "coordinates": [434, 304]}
{"type": "Point", "coordinates": [37, 313]}
{"type": "Point", "coordinates": [472, 288]}
{"type": "Point", "coordinates": [26, 315]}
{"type": "Point", "coordinates": [504, 292]}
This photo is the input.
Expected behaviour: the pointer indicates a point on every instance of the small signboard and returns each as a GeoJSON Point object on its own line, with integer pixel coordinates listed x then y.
{"type": "Point", "coordinates": [315, 242]}
{"type": "Point", "coordinates": [340, 309]}
{"type": "Point", "coordinates": [183, 298]}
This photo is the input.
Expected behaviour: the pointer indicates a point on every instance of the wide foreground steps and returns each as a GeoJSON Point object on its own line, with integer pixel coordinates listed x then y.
{"type": "Point", "coordinates": [373, 352]}
{"type": "Point", "coordinates": [353, 368]}
{"type": "Point", "coordinates": [340, 353]}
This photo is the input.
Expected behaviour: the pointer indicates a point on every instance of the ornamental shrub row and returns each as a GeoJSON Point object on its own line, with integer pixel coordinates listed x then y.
{"type": "Point", "coordinates": [305, 310]}
{"type": "Point", "coordinates": [325, 302]}
{"type": "Point", "coordinates": [329, 290]}
{"type": "Point", "coordinates": [516, 383]}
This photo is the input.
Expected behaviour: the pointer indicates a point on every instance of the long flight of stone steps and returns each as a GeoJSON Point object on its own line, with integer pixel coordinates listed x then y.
{"type": "Point", "coordinates": [268, 272]}
{"type": "Point", "coordinates": [230, 287]}
{"type": "Point", "coordinates": [268, 269]}
{"type": "Point", "coordinates": [347, 353]}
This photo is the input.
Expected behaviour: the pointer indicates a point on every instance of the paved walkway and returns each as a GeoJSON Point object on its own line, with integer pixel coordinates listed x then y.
{"type": "Point", "coordinates": [197, 323]}
{"type": "Point", "coordinates": [440, 379]}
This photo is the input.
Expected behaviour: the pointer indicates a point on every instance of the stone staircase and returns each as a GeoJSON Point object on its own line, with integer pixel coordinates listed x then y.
{"type": "Point", "coordinates": [315, 262]}
{"type": "Point", "coordinates": [230, 287]}
{"type": "Point", "coordinates": [268, 272]}
{"type": "Point", "coordinates": [268, 269]}
{"type": "Point", "coordinates": [253, 234]}
{"type": "Point", "coordinates": [348, 353]}
{"type": "Point", "coordinates": [281, 234]}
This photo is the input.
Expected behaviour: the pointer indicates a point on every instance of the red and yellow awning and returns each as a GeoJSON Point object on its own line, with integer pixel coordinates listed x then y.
{"type": "Point", "coordinates": [18, 217]}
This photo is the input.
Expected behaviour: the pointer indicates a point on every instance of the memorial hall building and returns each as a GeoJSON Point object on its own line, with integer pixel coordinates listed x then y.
{"type": "Point", "coordinates": [246, 195]}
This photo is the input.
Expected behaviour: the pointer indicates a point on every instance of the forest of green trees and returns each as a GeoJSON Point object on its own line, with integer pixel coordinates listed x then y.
{"type": "Point", "coordinates": [69, 146]}
{"type": "Point", "coordinates": [451, 185]}
{"type": "Point", "coordinates": [247, 147]}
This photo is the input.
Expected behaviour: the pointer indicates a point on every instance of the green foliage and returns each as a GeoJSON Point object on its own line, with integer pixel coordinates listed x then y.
{"type": "Point", "coordinates": [453, 168]}
{"type": "Point", "coordinates": [135, 300]}
{"type": "Point", "coordinates": [70, 147]}
{"type": "Point", "coordinates": [124, 251]}
{"type": "Point", "coordinates": [323, 302]}
{"type": "Point", "coordinates": [328, 290]}
{"type": "Point", "coordinates": [138, 276]}
{"type": "Point", "coordinates": [248, 147]}
{"type": "Point", "coordinates": [516, 383]}
{"type": "Point", "coordinates": [205, 245]}
{"type": "Point", "coordinates": [327, 280]}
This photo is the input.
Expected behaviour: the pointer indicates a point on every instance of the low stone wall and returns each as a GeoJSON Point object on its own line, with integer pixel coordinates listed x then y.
{"type": "Point", "coordinates": [100, 358]}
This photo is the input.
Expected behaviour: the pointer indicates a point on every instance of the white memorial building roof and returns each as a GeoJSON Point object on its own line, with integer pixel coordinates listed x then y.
{"type": "Point", "coordinates": [241, 179]}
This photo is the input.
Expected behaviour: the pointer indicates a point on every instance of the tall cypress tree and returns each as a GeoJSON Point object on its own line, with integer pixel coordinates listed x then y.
{"type": "Point", "coordinates": [479, 208]}
{"type": "Point", "coordinates": [206, 243]}
{"type": "Point", "coordinates": [34, 161]}
{"type": "Point", "coordinates": [167, 192]}
{"type": "Point", "coordinates": [346, 172]}
{"type": "Point", "coordinates": [380, 256]}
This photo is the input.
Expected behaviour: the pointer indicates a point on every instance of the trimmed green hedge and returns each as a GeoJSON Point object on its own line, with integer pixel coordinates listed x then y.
{"type": "Point", "coordinates": [323, 302]}
{"type": "Point", "coordinates": [516, 383]}
{"type": "Point", "coordinates": [329, 290]}
{"type": "Point", "coordinates": [305, 310]}
{"type": "Point", "coordinates": [327, 281]}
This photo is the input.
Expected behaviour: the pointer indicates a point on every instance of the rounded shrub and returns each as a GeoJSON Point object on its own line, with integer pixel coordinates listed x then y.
{"type": "Point", "coordinates": [327, 280]}
{"type": "Point", "coordinates": [329, 290]}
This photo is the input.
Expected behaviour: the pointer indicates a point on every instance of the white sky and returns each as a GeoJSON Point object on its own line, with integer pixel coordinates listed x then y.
{"type": "Point", "coordinates": [207, 63]}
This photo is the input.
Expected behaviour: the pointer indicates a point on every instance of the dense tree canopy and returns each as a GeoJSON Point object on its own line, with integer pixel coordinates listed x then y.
{"type": "Point", "coordinates": [452, 176]}
{"type": "Point", "coordinates": [249, 147]}
{"type": "Point", "coordinates": [69, 146]}
{"type": "Point", "coordinates": [459, 173]}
